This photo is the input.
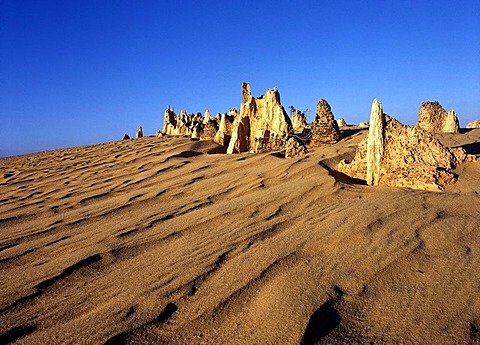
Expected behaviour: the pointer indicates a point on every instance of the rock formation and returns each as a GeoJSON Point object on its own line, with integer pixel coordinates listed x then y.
{"type": "Point", "coordinates": [207, 117]}
{"type": "Point", "coordinates": [324, 128]}
{"type": "Point", "coordinates": [397, 155]}
{"type": "Point", "coordinates": [295, 148]}
{"type": "Point", "coordinates": [169, 122]}
{"type": "Point", "coordinates": [197, 130]}
{"type": "Point", "coordinates": [126, 137]}
{"type": "Point", "coordinates": [210, 128]}
{"type": "Point", "coordinates": [341, 122]}
{"type": "Point", "coordinates": [364, 124]}
{"type": "Point", "coordinates": [262, 124]}
{"type": "Point", "coordinates": [139, 133]}
{"type": "Point", "coordinates": [299, 120]}
{"type": "Point", "coordinates": [224, 133]}
{"type": "Point", "coordinates": [474, 124]}
{"type": "Point", "coordinates": [182, 127]}
{"type": "Point", "coordinates": [432, 117]}
{"type": "Point", "coordinates": [375, 143]}
{"type": "Point", "coordinates": [182, 124]}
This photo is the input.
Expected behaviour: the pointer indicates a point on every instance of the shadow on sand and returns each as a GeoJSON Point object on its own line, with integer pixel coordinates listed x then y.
{"type": "Point", "coordinates": [341, 177]}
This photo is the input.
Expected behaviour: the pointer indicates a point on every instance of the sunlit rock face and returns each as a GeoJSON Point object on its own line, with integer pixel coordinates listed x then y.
{"type": "Point", "coordinates": [433, 118]}
{"type": "Point", "coordinates": [402, 156]}
{"type": "Point", "coordinates": [224, 133]}
{"type": "Point", "coordinates": [295, 148]}
{"type": "Point", "coordinates": [474, 124]}
{"type": "Point", "coordinates": [209, 127]}
{"type": "Point", "coordinates": [169, 121]}
{"type": "Point", "coordinates": [183, 124]}
{"type": "Point", "coordinates": [341, 122]}
{"type": "Point", "coordinates": [324, 128]}
{"type": "Point", "coordinates": [299, 121]}
{"type": "Point", "coordinates": [139, 133]}
{"type": "Point", "coordinates": [262, 124]}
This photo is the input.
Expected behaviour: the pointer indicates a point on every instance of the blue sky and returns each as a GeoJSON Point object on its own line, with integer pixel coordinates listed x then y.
{"type": "Point", "coordinates": [84, 72]}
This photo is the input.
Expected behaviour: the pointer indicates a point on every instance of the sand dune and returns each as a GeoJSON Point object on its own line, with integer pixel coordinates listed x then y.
{"type": "Point", "coordinates": [167, 240]}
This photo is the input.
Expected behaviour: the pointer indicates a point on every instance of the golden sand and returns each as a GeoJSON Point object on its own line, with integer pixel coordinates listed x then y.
{"type": "Point", "coordinates": [166, 240]}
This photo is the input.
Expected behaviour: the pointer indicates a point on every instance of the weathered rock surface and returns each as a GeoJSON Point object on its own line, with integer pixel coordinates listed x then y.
{"type": "Point", "coordinates": [375, 143]}
{"type": "Point", "coordinates": [474, 124]}
{"type": "Point", "coordinates": [207, 117]}
{"type": "Point", "coordinates": [183, 124]}
{"type": "Point", "coordinates": [432, 117]}
{"type": "Point", "coordinates": [217, 129]}
{"type": "Point", "coordinates": [224, 133]}
{"type": "Point", "coordinates": [210, 129]}
{"type": "Point", "coordinates": [182, 127]}
{"type": "Point", "coordinates": [139, 133]}
{"type": "Point", "coordinates": [197, 130]}
{"type": "Point", "coordinates": [324, 128]}
{"type": "Point", "coordinates": [341, 122]}
{"type": "Point", "coordinates": [295, 148]}
{"type": "Point", "coordinates": [262, 124]}
{"type": "Point", "coordinates": [299, 121]}
{"type": "Point", "coordinates": [365, 124]}
{"type": "Point", "coordinates": [397, 155]}
{"type": "Point", "coordinates": [169, 122]}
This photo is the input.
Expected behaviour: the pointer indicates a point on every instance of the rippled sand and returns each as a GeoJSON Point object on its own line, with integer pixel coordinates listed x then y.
{"type": "Point", "coordinates": [167, 240]}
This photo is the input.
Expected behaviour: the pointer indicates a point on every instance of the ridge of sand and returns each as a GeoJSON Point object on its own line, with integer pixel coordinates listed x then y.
{"type": "Point", "coordinates": [164, 240]}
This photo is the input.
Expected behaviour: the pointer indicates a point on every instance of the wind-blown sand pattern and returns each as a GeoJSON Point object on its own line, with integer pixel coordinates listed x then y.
{"type": "Point", "coordinates": [164, 240]}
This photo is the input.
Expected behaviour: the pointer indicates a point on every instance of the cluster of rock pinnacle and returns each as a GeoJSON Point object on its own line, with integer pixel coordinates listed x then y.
{"type": "Point", "coordinates": [261, 125]}
{"type": "Point", "coordinates": [392, 154]}
{"type": "Point", "coordinates": [397, 155]}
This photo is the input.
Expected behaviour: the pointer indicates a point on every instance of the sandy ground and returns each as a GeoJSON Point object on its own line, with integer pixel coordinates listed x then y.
{"type": "Point", "coordinates": [164, 240]}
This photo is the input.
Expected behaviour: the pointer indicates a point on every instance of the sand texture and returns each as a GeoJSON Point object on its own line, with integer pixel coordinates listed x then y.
{"type": "Point", "coordinates": [167, 240]}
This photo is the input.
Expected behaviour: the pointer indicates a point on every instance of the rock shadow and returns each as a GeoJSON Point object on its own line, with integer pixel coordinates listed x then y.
{"type": "Point", "coordinates": [166, 313]}
{"type": "Point", "coordinates": [472, 149]}
{"type": "Point", "coordinates": [474, 331]}
{"type": "Point", "coordinates": [118, 339]}
{"type": "Point", "coordinates": [323, 321]}
{"type": "Point", "coordinates": [186, 154]}
{"type": "Point", "coordinates": [280, 154]}
{"type": "Point", "coordinates": [217, 150]}
{"type": "Point", "coordinates": [341, 177]}
{"type": "Point", "coordinates": [345, 133]}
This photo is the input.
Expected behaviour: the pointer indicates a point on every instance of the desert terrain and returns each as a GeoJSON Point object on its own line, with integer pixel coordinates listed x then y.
{"type": "Point", "coordinates": [169, 240]}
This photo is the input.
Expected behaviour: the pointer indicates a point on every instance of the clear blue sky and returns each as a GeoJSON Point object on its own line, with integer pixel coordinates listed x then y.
{"type": "Point", "coordinates": [85, 72]}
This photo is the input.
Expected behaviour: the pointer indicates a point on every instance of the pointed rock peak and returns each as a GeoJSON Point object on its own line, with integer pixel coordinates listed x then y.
{"type": "Point", "coordinates": [375, 143]}
{"type": "Point", "coordinates": [324, 128]}
{"type": "Point", "coordinates": [377, 111]}
{"type": "Point", "coordinates": [246, 93]}
{"type": "Point", "coordinates": [262, 124]}
{"type": "Point", "coordinates": [139, 133]}
{"type": "Point", "coordinates": [207, 117]}
{"type": "Point", "coordinates": [433, 118]}
{"type": "Point", "coordinates": [341, 122]}
{"type": "Point", "coordinates": [323, 106]}
{"type": "Point", "coordinates": [397, 155]}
